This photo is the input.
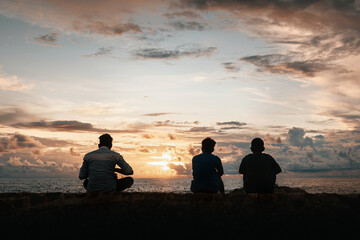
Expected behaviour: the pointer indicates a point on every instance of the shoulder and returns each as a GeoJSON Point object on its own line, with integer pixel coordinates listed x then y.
{"type": "Point", "coordinates": [247, 157]}
{"type": "Point", "coordinates": [87, 155]}
{"type": "Point", "coordinates": [268, 156]}
{"type": "Point", "coordinates": [197, 157]}
{"type": "Point", "coordinates": [116, 155]}
{"type": "Point", "coordinates": [215, 157]}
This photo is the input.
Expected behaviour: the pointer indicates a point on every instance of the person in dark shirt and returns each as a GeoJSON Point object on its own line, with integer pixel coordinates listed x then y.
{"type": "Point", "coordinates": [207, 170]}
{"type": "Point", "coordinates": [259, 169]}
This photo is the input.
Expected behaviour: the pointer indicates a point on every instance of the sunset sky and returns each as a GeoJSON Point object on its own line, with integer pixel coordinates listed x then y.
{"type": "Point", "coordinates": [160, 76]}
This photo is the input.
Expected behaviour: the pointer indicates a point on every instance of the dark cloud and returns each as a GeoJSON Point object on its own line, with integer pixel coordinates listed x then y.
{"type": "Point", "coordinates": [54, 142]}
{"type": "Point", "coordinates": [104, 51]}
{"type": "Point", "coordinates": [350, 117]}
{"type": "Point", "coordinates": [231, 66]}
{"type": "Point", "coordinates": [232, 123]}
{"type": "Point", "coordinates": [10, 115]}
{"type": "Point", "coordinates": [156, 114]}
{"type": "Point", "coordinates": [296, 138]}
{"type": "Point", "coordinates": [295, 12]}
{"type": "Point", "coordinates": [71, 126]}
{"type": "Point", "coordinates": [57, 125]}
{"type": "Point", "coordinates": [185, 14]}
{"type": "Point", "coordinates": [188, 25]}
{"type": "Point", "coordinates": [47, 39]}
{"type": "Point", "coordinates": [332, 31]}
{"type": "Point", "coordinates": [18, 141]}
{"type": "Point", "coordinates": [201, 129]}
{"type": "Point", "coordinates": [170, 123]}
{"type": "Point", "coordinates": [285, 64]}
{"type": "Point", "coordinates": [106, 29]}
{"type": "Point", "coordinates": [32, 166]}
{"type": "Point", "coordinates": [181, 51]}
{"type": "Point", "coordinates": [272, 140]}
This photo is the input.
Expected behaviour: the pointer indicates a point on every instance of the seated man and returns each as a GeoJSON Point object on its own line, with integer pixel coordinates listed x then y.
{"type": "Point", "coordinates": [207, 170]}
{"type": "Point", "coordinates": [99, 167]}
{"type": "Point", "coordinates": [259, 169]}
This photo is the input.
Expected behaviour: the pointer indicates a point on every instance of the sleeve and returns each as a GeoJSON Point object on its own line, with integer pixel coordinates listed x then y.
{"type": "Point", "coordinates": [125, 167]}
{"type": "Point", "coordinates": [219, 167]}
{"type": "Point", "coordinates": [276, 166]}
{"type": "Point", "coordinates": [84, 170]}
{"type": "Point", "coordinates": [242, 167]}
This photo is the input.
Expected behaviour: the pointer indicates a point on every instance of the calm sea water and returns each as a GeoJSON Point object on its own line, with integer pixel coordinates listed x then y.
{"type": "Point", "coordinates": [177, 185]}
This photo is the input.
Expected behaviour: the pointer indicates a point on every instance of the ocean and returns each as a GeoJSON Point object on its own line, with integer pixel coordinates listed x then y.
{"type": "Point", "coordinates": [176, 185]}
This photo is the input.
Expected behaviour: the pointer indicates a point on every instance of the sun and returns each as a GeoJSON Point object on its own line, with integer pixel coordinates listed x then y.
{"type": "Point", "coordinates": [163, 164]}
{"type": "Point", "coordinates": [167, 158]}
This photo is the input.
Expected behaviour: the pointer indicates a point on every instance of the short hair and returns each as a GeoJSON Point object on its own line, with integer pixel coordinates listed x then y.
{"type": "Point", "coordinates": [208, 145]}
{"type": "Point", "coordinates": [105, 140]}
{"type": "Point", "coordinates": [257, 145]}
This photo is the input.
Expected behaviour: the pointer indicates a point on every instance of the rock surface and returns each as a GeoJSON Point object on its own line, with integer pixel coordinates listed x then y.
{"type": "Point", "coordinates": [284, 214]}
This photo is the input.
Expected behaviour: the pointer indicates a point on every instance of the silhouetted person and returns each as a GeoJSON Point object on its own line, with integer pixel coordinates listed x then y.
{"type": "Point", "coordinates": [259, 169]}
{"type": "Point", "coordinates": [98, 169]}
{"type": "Point", "coordinates": [207, 170]}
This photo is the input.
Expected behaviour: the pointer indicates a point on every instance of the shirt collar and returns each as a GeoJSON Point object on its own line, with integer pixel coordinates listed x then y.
{"type": "Point", "coordinates": [103, 147]}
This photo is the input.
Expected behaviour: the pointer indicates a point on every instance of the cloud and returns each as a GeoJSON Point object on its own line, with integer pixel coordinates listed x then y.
{"type": "Point", "coordinates": [231, 66]}
{"type": "Point", "coordinates": [181, 51]}
{"type": "Point", "coordinates": [231, 125]}
{"type": "Point", "coordinates": [10, 115]}
{"type": "Point", "coordinates": [72, 152]}
{"type": "Point", "coordinates": [201, 129]}
{"type": "Point", "coordinates": [101, 28]}
{"type": "Point", "coordinates": [272, 140]}
{"type": "Point", "coordinates": [172, 136]}
{"type": "Point", "coordinates": [107, 18]}
{"type": "Point", "coordinates": [19, 167]}
{"type": "Point", "coordinates": [319, 42]}
{"type": "Point", "coordinates": [18, 141]}
{"type": "Point", "coordinates": [184, 14]}
{"type": "Point", "coordinates": [12, 82]}
{"type": "Point", "coordinates": [180, 168]}
{"type": "Point", "coordinates": [47, 39]}
{"type": "Point", "coordinates": [104, 51]}
{"type": "Point", "coordinates": [193, 150]}
{"type": "Point", "coordinates": [296, 138]}
{"type": "Point", "coordinates": [170, 123]}
{"type": "Point", "coordinates": [188, 25]}
{"type": "Point", "coordinates": [284, 64]}
{"type": "Point", "coordinates": [156, 114]}
{"type": "Point", "coordinates": [350, 117]}
{"type": "Point", "coordinates": [71, 126]}
{"type": "Point", "coordinates": [148, 136]}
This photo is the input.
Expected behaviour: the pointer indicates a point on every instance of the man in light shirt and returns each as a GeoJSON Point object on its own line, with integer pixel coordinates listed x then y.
{"type": "Point", "coordinates": [98, 169]}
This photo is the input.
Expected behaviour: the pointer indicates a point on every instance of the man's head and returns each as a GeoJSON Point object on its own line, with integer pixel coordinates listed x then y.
{"type": "Point", "coordinates": [105, 140]}
{"type": "Point", "coordinates": [208, 145]}
{"type": "Point", "coordinates": [257, 145]}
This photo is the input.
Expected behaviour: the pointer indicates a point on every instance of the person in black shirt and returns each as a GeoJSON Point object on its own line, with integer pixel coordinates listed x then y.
{"type": "Point", "coordinates": [259, 169]}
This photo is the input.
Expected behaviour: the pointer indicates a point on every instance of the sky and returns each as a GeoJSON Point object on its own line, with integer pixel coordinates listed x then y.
{"type": "Point", "coordinates": [160, 76]}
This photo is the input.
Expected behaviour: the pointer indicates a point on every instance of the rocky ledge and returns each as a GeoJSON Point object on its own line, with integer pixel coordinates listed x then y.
{"type": "Point", "coordinates": [287, 213]}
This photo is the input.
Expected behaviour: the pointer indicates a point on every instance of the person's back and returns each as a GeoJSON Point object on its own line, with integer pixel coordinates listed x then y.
{"type": "Point", "coordinates": [206, 178]}
{"type": "Point", "coordinates": [99, 166]}
{"type": "Point", "coordinates": [259, 170]}
{"type": "Point", "coordinates": [207, 170]}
